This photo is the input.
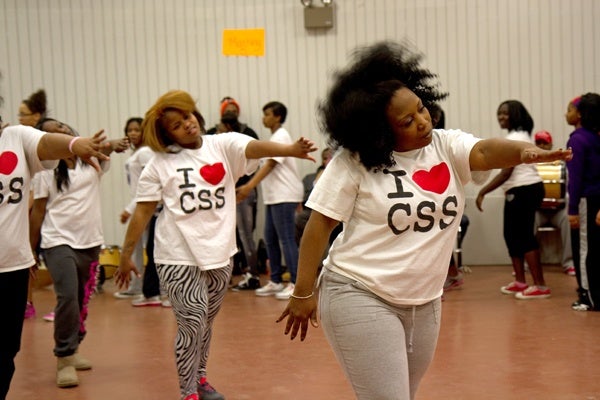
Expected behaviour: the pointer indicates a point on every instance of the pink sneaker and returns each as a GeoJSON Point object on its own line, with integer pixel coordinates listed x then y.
{"type": "Point", "coordinates": [49, 317]}
{"type": "Point", "coordinates": [513, 287]}
{"type": "Point", "coordinates": [533, 292]}
{"type": "Point", "coordinates": [29, 310]}
{"type": "Point", "coordinates": [570, 270]}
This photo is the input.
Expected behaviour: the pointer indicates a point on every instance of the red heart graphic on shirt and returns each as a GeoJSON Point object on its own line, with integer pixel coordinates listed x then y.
{"type": "Point", "coordinates": [435, 180]}
{"type": "Point", "coordinates": [213, 174]}
{"type": "Point", "coordinates": [8, 162]}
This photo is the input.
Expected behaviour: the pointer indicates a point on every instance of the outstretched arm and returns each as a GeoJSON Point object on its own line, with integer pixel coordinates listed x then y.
{"type": "Point", "coordinates": [300, 149]}
{"type": "Point", "coordinates": [54, 146]}
{"type": "Point", "coordinates": [503, 153]}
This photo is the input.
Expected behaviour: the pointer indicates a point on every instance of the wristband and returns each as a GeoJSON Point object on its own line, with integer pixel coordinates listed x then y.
{"type": "Point", "coordinates": [72, 142]}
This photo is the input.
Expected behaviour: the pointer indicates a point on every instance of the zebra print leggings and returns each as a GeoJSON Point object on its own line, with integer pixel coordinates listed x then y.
{"type": "Point", "coordinates": [196, 296]}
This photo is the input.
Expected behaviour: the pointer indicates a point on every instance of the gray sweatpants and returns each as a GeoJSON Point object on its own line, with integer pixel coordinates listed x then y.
{"type": "Point", "coordinates": [70, 271]}
{"type": "Point", "coordinates": [384, 349]}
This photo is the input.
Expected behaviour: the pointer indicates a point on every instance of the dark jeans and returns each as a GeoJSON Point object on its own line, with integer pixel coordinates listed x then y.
{"type": "Point", "coordinates": [246, 216]}
{"type": "Point", "coordinates": [151, 283]}
{"type": "Point", "coordinates": [13, 296]}
{"type": "Point", "coordinates": [280, 226]}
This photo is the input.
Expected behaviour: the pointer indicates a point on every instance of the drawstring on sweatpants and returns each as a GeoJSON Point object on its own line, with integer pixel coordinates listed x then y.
{"type": "Point", "coordinates": [412, 329]}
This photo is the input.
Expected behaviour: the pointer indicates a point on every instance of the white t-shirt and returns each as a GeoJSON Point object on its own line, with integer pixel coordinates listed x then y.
{"type": "Point", "coordinates": [197, 188]}
{"type": "Point", "coordinates": [18, 162]}
{"type": "Point", "coordinates": [73, 215]}
{"type": "Point", "coordinates": [283, 184]}
{"type": "Point", "coordinates": [522, 174]}
{"type": "Point", "coordinates": [400, 224]}
{"type": "Point", "coordinates": [133, 168]}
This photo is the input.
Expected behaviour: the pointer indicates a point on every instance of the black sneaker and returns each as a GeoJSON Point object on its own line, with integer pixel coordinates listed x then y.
{"type": "Point", "coordinates": [248, 282]}
{"type": "Point", "coordinates": [580, 306]}
{"type": "Point", "coordinates": [207, 392]}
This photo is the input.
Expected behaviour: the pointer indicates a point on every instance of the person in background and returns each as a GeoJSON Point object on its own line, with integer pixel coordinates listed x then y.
{"type": "Point", "coordinates": [31, 111]}
{"type": "Point", "coordinates": [308, 182]}
{"type": "Point", "coordinates": [584, 198]}
{"type": "Point", "coordinates": [245, 212]}
{"type": "Point", "coordinates": [398, 186]}
{"type": "Point", "coordinates": [194, 177]}
{"type": "Point", "coordinates": [133, 169]}
{"type": "Point", "coordinates": [230, 106]}
{"type": "Point", "coordinates": [66, 217]}
{"type": "Point", "coordinates": [524, 191]}
{"type": "Point", "coordinates": [282, 194]}
{"type": "Point", "coordinates": [28, 151]}
{"type": "Point", "coordinates": [554, 213]}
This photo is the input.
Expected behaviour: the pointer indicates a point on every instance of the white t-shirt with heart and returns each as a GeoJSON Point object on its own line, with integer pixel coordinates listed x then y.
{"type": "Point", "coordinates": [18, 162]}
{"type": "Point", "coordinates": [400, 224]}
{"type": "Point", "coordinates": [197, 187]}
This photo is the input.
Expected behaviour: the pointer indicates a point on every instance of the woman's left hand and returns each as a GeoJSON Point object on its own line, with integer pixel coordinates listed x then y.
{"type": "Point", "coordinates": [302, 147]}
{"type": "Point", "coordinates": [534, 154]}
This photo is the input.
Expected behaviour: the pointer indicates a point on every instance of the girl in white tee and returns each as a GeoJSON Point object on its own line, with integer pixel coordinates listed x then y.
{"type": "Point", "coordinates": [194, 176]}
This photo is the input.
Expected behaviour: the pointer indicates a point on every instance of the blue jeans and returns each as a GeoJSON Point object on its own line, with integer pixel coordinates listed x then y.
{"type": "Point", "coordinates": [280, 227]}
{"type": "Point", "coordinates": [246, 215]}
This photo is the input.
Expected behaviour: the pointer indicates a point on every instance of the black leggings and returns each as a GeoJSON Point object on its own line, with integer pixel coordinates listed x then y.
{"type": "Point", "coordinates": [13, 296]}
{"type": "Point", "coordinates": [520, 205]}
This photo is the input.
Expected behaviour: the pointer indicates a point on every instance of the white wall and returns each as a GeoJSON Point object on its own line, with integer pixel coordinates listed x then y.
{"type": "Point", "coordinates": [102, 61]}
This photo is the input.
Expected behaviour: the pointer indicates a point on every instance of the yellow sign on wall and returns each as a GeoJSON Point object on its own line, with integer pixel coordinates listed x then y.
{"type": "Point", "coordinates": [244, 42]}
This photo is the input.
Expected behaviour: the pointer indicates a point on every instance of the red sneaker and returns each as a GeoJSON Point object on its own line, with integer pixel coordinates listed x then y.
{"type": "Point", "coordinates": [513, 287]}
{"type": "Point", "coordinates": [533, 292]}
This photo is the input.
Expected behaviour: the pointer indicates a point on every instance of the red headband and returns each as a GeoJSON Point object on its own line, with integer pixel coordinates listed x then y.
{"type": "Point", "coordinates": [226, 102]}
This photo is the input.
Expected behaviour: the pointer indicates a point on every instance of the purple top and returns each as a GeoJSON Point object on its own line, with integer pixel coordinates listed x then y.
{"type": "Point", "coordinates": [584, 168]}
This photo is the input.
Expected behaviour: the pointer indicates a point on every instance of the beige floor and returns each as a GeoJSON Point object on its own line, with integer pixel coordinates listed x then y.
{"type": "Point", "coordinates": [491, 346]}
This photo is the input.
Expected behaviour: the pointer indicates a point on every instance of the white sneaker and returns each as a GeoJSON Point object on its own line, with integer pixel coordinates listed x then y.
{"type": "Point", "coordinates": [146, 302]}
{"type": "Point", "coordinates": [285, 293]}
{"type": "Point", "coordinates": [269, 289]}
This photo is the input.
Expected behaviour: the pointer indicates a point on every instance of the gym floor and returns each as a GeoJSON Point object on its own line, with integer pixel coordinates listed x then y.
{"type": "Point", "coordinates": [491, 346]}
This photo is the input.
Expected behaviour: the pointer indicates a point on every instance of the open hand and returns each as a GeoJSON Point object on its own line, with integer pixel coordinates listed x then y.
{"type": "Point", "coordinates": [86, 148]}
{"type": "Point", "coordinates": [298, 313]}
{"type": "Point", "coordinates": [534, 154]}
{"type": "Point", "coordinates": [302, 147]}
{"type": "Point", "coordinates": [123, 273]}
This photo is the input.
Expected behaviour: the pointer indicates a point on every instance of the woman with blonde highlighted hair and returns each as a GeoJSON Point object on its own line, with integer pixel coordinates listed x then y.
{"type": "Point", "coordinates": [194, 176]}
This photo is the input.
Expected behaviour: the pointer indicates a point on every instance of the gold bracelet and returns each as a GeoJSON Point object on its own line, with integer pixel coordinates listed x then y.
{"type": "Point", "coordinates": [293, 296]}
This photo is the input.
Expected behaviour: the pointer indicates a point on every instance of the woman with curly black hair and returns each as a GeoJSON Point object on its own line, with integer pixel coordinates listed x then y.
{"type": "Point", "coordinates": [397, 185]}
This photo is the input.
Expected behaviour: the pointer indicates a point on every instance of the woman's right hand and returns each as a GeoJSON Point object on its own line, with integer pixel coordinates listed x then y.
{"type": "Point", "coordinates": [299, 312]}
{"type": "Point", "coordinates": [479, 201]}
{"type": "Point", "coordinates": [123, 273]}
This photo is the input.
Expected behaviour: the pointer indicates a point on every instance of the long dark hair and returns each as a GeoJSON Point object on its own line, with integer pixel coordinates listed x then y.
{"type": "Point", "coordinates": [61, 172]}
{"type": "Point", "coordinates": [354, 111]}
{"type": "Point", "coordinates": [589, 108]}
{"type": "Point", "coordinates": [519, 118]}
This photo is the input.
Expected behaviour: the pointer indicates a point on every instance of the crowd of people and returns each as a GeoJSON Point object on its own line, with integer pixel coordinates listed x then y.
{"type": "Point", "coordinates": [352, 237]}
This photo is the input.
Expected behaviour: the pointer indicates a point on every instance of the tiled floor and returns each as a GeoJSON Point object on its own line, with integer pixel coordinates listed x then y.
{"type": "Point", "coordinates": [491, 346]}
